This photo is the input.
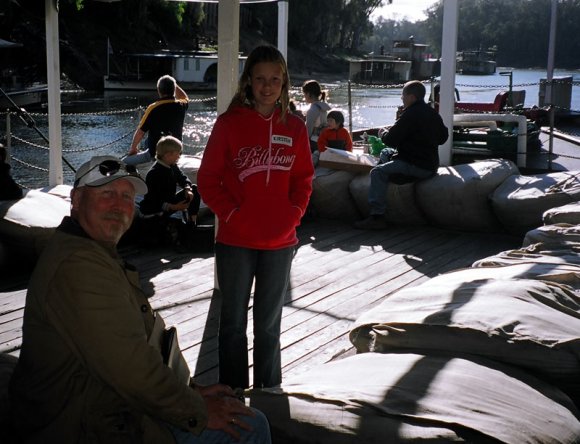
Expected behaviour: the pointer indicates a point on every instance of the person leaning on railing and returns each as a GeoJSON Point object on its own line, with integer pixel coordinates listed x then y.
{"type": "Point", "coordinates": [164, 117]}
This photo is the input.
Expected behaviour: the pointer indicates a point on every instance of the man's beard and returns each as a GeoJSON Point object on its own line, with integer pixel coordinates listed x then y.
{"type": "Point", "coordinates": [118, 224]}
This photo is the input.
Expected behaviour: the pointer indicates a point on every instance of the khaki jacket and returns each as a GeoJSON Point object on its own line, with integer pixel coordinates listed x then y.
{"type": "Point", "coordinates": [86, 371]}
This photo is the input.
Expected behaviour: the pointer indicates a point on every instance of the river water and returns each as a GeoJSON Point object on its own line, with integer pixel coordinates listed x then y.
{"type": "Point", "coordinates": [104, 124]}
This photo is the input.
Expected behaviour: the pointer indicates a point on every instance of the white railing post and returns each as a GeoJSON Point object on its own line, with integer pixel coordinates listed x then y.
{"type": "Point", "coordinates": [8, 136]}
{"type": "Point", "coordinates": [55, 175]}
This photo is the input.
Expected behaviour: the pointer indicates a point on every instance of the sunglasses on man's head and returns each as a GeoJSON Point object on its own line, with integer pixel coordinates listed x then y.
{"type": "Point", "coordinates": [110, 167]}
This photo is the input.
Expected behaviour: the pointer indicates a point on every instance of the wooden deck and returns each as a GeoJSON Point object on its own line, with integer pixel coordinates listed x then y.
{"type": "Point", "coordinates": [338, 273]}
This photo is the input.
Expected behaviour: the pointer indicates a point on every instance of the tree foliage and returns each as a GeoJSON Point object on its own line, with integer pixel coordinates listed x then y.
{"type": "Point", "coordinates": [330, 24]}
{"type": "Point", "coordinates": [318, 29]}
{"type": "Point", "coordinates": [518, 28]}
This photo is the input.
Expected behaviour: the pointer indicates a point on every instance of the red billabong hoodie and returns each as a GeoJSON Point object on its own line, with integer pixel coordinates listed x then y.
{"type": "Point", "coordinates": [256, 176]}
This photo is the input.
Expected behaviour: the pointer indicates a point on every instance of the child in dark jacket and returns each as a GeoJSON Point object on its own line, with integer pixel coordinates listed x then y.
{"type": "Point", "coordinates": [163, 180]}
{"type": "Point", "coordinates": [9, 189]}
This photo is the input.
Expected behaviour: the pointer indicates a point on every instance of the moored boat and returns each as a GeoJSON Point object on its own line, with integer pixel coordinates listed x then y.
{"type": "Point", "coordinates": [17, 84]}
{"type": "Point", "coordinates": [193, 70]}
{"type": "Point", "coordinates": [407, 60]}
{"type": "Point", "coordinates": [476, 62]}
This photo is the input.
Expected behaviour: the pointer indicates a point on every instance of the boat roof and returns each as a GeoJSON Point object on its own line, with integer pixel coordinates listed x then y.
{"type": "Point", "coordinates": [8, 44]}
{"type": "Point", "coordinates": [174, 54]}
{"type": "Point", "coordinates": [380, 58]}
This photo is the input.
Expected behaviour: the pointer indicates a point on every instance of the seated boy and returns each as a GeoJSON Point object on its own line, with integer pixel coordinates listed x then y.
{"type": "Point", "coordinates": [163, 180]}
{"type": "Point", "coordinates": [335, 135]}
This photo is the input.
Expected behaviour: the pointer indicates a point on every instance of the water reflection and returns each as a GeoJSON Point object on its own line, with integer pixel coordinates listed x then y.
{"type": "Point", "coordinates": [104, 124]}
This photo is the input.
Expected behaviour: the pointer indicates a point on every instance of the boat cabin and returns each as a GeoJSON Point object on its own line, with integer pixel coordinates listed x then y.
{"type": "Point", "coordinates": [380, 70]}
{"type": "Point", "coordinates": [476, 62]}
{"type": "Point", "coordinates": [191, 69]}
{"type": "Point", "coordinates": [407, 61]}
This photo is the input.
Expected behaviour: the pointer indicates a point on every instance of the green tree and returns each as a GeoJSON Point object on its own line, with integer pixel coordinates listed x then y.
{"type": "Point", "coordinates": [518, 28]}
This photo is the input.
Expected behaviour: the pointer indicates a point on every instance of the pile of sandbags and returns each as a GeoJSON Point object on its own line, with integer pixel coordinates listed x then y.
{"type": "Point", "coordinates": [484, 354]}
{"type": "Point", "coordinates": [403, 208]}
{"type": "Point", "coordinates": [520, 201]}
{"type": "Point", "coordinates": [411, 397]}
{"type": "Point", "coordinates": [330, 197]}
{"type": "Point", "coordinates": [484, 196]}
{"type": "Point", "coordinates": [458, 197]}
{"type": "Point", "coordinates": [528, 323]}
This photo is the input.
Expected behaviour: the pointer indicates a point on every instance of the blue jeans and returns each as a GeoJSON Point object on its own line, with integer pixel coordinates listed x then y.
{"type": "Point", "coordinates": [380, 181]}
{"type": "Point", "coordinates": [259, 435]}
{"type": "Point", "coordinates": [236, 270]}
{"type": "Point", "coordinates": [137, 159]}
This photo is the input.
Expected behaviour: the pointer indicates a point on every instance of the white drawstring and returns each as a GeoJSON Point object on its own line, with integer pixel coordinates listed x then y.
{"type": "Point", "coordinates": [269, 119]}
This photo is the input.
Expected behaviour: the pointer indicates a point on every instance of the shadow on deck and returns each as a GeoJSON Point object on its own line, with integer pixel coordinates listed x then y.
{"type": "Point", "coordinates": [338, 273]}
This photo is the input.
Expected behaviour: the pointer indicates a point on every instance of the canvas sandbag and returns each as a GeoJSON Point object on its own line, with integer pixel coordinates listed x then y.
{"type": "Point", "coordinates": [539, 253]}
{"type": "Point", "coordinates": [520, 201]}
{"type": "Point", "coordinates": [27, 224]}
{"type": "Point", "coordinates": [565, 214]}
{"type": "Point", "coordinates": [553, 234]}
{"type": "Point", "coordinates": [189, 165]}
{"type": "Point", "coordinates": [458, 196]}
{"type": "Point", "coordinates": [534, 325]}
{"type": "Point", "coordinates": [564, 274]}
{"type": "Point", "coordinates": [386, 398]}
{"type": "Point", "coordinates": [305, 419]}
{"type": "Point", "coordinates": [36, 209]}
{"type": "Point", "coordinates": [330, 197]}
{"type": "Point", "coordinates": [401, 205]}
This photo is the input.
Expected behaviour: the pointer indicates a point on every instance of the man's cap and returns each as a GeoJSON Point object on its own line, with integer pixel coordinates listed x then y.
{"type": "Point", "coordinates": [105, 169]}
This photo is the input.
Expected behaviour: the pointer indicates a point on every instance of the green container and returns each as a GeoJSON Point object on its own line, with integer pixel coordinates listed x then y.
{"type": "Point", "coordinates": [377, 145]}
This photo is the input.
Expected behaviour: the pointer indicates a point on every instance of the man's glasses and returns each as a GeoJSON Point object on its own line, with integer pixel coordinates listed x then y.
{"type": "Point", "coordinates": [110, 167]}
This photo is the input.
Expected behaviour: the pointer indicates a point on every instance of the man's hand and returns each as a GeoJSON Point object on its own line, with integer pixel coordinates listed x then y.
{"type": "Point", "coordinates": [180, 206]}
{"type": "Point", "coordinates": [384, 130]}
{"type": "Point", "coordinates": [224, 411]}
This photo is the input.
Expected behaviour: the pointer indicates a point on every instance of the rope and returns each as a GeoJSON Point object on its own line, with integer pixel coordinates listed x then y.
{"type": "Point", "coordinates": [83, 150]}
{"type": "Point", "coordinates": [32, 144]}
{"type": "Point", "coordinates": [353, 85]}
{"type": "Point", "coordinates": [34, 167]}
{"type": "Point", "coordinates": [195, 147]}
{"type": "Point", "coordinates": [205, 99]}
{"type": "Point", "coordinates": [110, 112]}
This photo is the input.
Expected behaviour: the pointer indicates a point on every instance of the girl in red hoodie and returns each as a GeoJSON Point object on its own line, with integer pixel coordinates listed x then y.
{"type": "Point", "coordinates": [256, 176]}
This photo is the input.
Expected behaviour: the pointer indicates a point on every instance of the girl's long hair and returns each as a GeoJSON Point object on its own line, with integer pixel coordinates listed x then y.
{"type": "Point", "coordinates": [244, 95]}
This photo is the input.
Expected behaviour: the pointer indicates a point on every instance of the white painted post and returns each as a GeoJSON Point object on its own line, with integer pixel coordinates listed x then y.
{"type": "Point", "coordinates": [8, 137]}
{"type": "Point", "coordinates": [447, 91]}
{"type": "Point", "coordinates": [228, 49]}
{"type": "Point", "coordinates": [228, 66]}
{"type": "Point", "coordinates": [551, 52]}
{"type": "Point", "coordinates": [55, 176]}
{"type": "Point", "coordinates": [283, 28]}
{"type": "Point", "coordinates": [550, 78]}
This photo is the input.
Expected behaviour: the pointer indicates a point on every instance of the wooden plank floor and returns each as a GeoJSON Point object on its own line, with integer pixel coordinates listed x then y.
{"type": "Point", "coordinates": [338, 273]}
